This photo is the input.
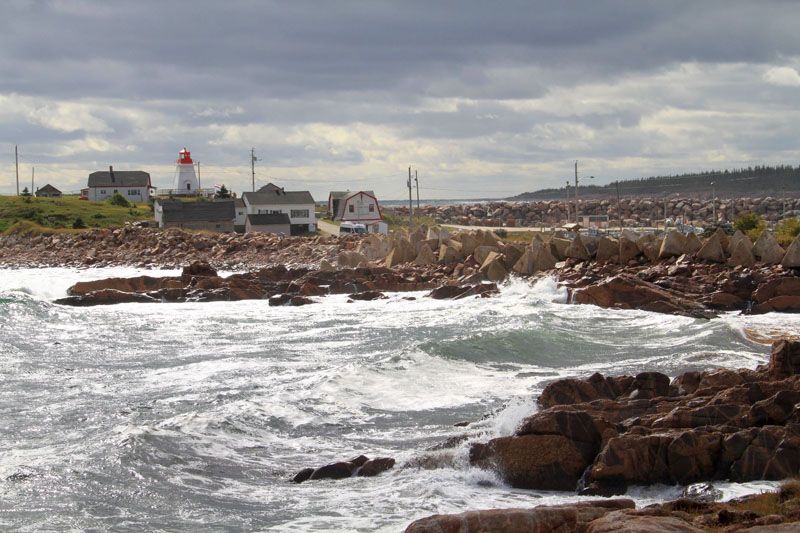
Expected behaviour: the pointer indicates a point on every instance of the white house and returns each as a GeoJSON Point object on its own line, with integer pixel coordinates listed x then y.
{"type": "Point", "coordinates": [271, 200]}
{"type": "Point", "coordinates": [241, 214]}
{"type": "Point", "coordinates": [133, 185]}
{"type": "Point", "coordinates": [361, 207]}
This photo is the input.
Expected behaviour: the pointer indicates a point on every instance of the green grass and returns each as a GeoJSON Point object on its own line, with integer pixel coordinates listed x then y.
{"type": "Point", "coordinates": [61, 213]}
{"type": "Point", "coordinates": [397, 223]}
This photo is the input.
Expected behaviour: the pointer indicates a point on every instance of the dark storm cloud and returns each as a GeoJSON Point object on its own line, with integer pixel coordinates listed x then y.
{"type": "Point", "coordinates": [500, 83]}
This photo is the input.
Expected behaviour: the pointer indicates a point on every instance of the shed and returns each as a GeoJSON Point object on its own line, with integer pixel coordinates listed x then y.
{"type": "Point", "coordinates": [211, 216]}
{"type": "Point", "coordinates": [278, 223]}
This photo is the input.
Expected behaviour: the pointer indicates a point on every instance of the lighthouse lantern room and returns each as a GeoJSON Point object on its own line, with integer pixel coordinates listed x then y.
{"type": "Point", "coordinates": [185, 181]}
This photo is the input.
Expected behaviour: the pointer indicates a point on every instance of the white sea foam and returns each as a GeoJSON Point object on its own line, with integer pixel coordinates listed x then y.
{"type": "Point", "coordinates": [209, 408]}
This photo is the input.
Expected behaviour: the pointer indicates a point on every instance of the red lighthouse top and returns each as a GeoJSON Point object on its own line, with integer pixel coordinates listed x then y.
{"type": "Point", "coordinates": [186, 157]}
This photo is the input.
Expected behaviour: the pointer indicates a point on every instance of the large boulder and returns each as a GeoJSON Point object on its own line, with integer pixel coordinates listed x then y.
{"type": "Point", "coordinates": [449, 254]}
{"type": "Point", "coordinates": [558, 248]}
{"type": "Point", "coordinates": [482, 252]}
{"type": "Point", "coordinates": [622, 522]}
{"type": "Point", "coordinates": [742, 253]}
{"type": "Point", "coordinates": [673, 245]}
{"type": "Point", "coordinates": [767, 250]}
{"type": "Point", "coordinates": [544, 519]}
{"type": "Point", "coordinates": [630, 292]}
{"type": "Point", "coordinates": [425, 256]}
{"type": "Point", "coordinates": [525, 264]}
{"type": "Point", "coordinates": [792, 257]}
{"type": "Point", "coordinates": [542, 462]}
{"type": "Point", "coordinates": [577, 249]}
{"type": "Point", "coordinates": [784, 360]}
{"type": "Point", "coordinates": [692, 244]}
{"type": "Point", "coordinates": [543, 256]}
{"type": "Point", "coordinates": [712, 249]}
{"type": "Point", "coordinates": [493, 268]}
{"type": "Point", "coordinates": [607, 249]}
{"type": "Point", "coordinates": [628, 249]}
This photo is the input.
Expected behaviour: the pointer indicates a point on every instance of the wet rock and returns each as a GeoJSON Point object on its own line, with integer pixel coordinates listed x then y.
{"type": "Point", "coordinates": [367, 295]}
{"type": "Point", "coordinates": [544, 519]}
{"type": "Point", "coordinates": [630, 292]}
{"type": "Point", "coordinates": [373, 467]}
{"type": "Point", "coordinates": [544, 462]}
{"type": "Point", "coordinates": [622, 522]}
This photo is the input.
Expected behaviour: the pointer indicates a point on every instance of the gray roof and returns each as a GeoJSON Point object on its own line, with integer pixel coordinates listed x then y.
{"type": "Point", "coordinates": [268, 219]}
{"type": "Point", "coordinates": [47, 189]}
{"type": "Point", "coordinates": [238, 202]}
{"type": "Point", "coordinates": [176, 211]}
{"type": "Point", "coordinates": [121, 178]}
{"type": "Point", "coordinates": [279, 197]}
{"type": "Point", "coordinates": [270, 187]}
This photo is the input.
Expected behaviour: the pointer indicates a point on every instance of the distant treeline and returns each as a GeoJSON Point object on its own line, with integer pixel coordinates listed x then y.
{"type": "Point", "coordinates": [750, 181]}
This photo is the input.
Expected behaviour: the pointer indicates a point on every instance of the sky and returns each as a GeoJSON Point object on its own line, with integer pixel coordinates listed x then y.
{"type": "Point", "coordinates": [483, 99]}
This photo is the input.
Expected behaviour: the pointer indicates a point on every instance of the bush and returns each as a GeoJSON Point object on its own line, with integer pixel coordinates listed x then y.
{"type": "Point", "coordinates": [500, 232]}
{"type": "Point", "coordinates": [750, 224]}
{"type": "Point", "coordinates": [119, 200]}
{"type": "Point", "coordinates": [787, 230]}
{"type": "Point", "coordinates": [78, 224]}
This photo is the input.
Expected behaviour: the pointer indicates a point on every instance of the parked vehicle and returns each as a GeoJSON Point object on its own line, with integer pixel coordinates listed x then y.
{"type": "Point", "coordinates": [352, 227]}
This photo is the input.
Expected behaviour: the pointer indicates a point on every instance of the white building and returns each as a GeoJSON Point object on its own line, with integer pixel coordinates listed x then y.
{"type": "Point", "coordinates": [133, 185]}
{"type": "Point", "coordinates": [360, 207]}
{"type": "Point", "coordinates": [271, 200]}
{"type": "Point", "coordinates": [185, 181]}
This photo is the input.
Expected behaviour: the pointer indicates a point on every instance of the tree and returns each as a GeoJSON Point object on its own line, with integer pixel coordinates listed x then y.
{"type": "Point", "coordinates": [119, 200]}
{"type": "Point", "coordinates": [78, 224]}
{"type": "Point", "coordinates": [223, 192]}
{"type": "Point", "coordinates": [25, 192]}
{"type": "Point", "coordinates": [787, 230]}
{"type": "Point", "coordinates": [751, 224]}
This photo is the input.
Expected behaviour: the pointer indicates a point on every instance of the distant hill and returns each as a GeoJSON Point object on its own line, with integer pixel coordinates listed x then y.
{"type": "Point", "coordinates": [751, 181]}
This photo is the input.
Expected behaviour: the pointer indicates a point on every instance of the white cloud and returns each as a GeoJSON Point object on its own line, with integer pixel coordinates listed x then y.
{"type": "Point", "coordinates": [782, 76]}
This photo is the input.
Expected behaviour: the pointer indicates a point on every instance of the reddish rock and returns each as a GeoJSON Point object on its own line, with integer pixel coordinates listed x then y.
{"type": "Point", "coordinates": [544, 462]}
{"type": "Point", "coordinates": [544, 519]}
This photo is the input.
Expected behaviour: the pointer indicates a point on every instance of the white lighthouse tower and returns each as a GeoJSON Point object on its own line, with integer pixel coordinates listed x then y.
{"type": "Point", "coordinates": [185, 181]}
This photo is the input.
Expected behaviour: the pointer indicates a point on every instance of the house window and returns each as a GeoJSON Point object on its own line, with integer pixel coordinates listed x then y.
{"type": "Point", "coordinates": [133, 192]}
{"type": "Point", "coordinates": [371, 208]}
{"type": "Point", "coordinates": [115, 191]}
{"type": "Point", "coordinates": [351, 208]}
{"type": "Point", "coordinates": [189, 188]}
{"type": "Point", "coordinates": [102, 191]}
{"type": "Point", "coordinates": [299, 213]}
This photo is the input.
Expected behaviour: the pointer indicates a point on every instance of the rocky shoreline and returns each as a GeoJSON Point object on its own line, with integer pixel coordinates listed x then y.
{"type": "Point", "coordinates": [601, 435]}
{"type": "Point", "coordinates": [672, 274]}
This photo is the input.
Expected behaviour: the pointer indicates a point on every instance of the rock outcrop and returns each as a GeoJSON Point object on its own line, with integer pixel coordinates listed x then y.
{"type": "Point", "coordinates": [602, 434]}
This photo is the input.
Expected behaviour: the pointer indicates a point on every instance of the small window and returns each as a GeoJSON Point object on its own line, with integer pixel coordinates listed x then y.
{"type": "Point", "coordinates": [116, 191]}
{"type": "Point", "coordinates": [102, 191]}
{"type": "Point", "coordinates": [371, 208]}
{"type": "Point", "coordinates": [351, 208]}
{"type": "Point", "coordinates": [189, 188]}
{"type": "Point", "coordinates": [133, 192]}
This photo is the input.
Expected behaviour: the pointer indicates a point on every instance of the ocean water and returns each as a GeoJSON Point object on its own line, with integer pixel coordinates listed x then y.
{"type": "Point", "coordinates": [196, 416]}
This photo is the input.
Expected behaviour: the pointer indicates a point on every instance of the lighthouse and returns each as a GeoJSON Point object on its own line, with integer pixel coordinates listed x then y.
{"type": "Point", "coordinates": [185, 181]}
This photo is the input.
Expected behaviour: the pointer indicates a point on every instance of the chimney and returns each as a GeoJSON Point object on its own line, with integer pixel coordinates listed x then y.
{"type": "Point", "coordinates": [111, 173]}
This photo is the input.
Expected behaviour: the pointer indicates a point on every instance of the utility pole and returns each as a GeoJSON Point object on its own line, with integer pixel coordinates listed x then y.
{"type": "Point", "coordinates": [576, 191]}
{"type": "Point", "coordinates": [619, 219]}
{"type": "Point", "coordinates": [253, 160]}
{"type": "Point", "coordinates": [16, 165]}
{"type": "Point", "coordinates": [713, 204]}
{"type": "Point", "coordinates": [665, 213]}
{"type": "Point", "coordinates": [416, 180]}
{"type": "Point", "coordinates": [410, 206]}
{"type": "Point", "coordinates": [32, 178]}
{"type": "Point", "coordinates": [566, 189]}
